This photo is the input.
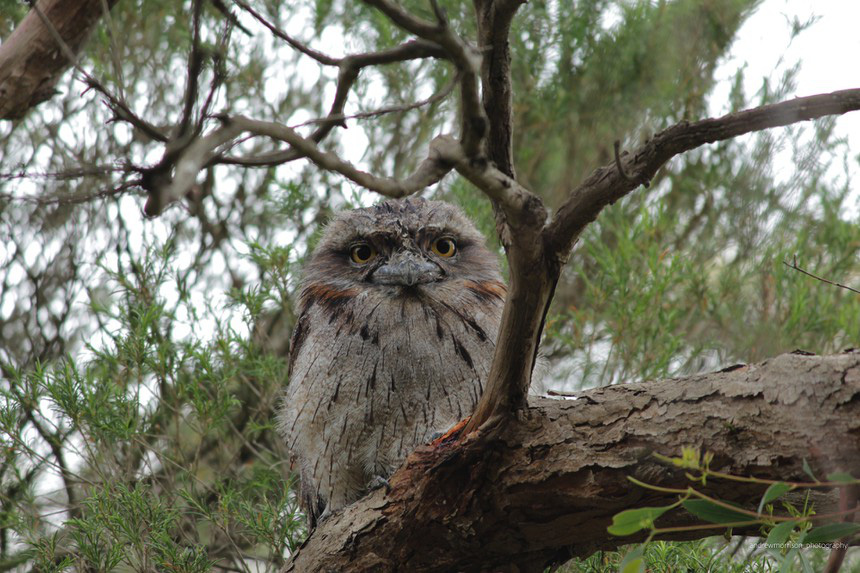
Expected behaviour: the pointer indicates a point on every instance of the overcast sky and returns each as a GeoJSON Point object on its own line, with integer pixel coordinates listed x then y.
{"type": "Point", "coordinates": [828, 50]}
{"type": "Point", "coordinates": [829, 53]}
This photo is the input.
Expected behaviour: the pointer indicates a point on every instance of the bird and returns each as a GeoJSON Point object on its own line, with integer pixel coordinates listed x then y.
{"type": "Point", "coordinates": [399, 309]}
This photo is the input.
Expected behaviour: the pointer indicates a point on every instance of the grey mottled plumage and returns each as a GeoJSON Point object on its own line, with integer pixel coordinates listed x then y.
{"type": "Point", "coordinates": [399, 310]}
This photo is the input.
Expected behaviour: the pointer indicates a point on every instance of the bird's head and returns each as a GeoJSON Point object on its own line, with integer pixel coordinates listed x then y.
{"type": "Point", "coordinates": [402, 247]}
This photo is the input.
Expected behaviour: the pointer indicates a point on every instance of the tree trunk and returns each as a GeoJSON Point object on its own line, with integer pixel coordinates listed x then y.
{"type": "Point", "coordinates": [31, 59]}
{"type": "Point", "coordinates": [546, 487]}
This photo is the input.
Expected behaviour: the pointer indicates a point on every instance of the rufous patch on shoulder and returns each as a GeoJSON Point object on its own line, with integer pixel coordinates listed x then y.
{"type": "Point", "coordinates": [327, 293]}
{"type": "Point", "coordinates": [488, 289]}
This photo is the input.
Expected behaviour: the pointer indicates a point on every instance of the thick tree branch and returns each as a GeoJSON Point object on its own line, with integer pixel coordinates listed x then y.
{"type": "Point", "coordinates": [530, 287]}
{"type": "Point", "coordinates": [533, 275]}
{"type": "Point", "coordinates": [606, 185]}
{"type": "Point", "coordinates": [30, 60]}
{"type": "Point", "coordinates": [546, 487]}
{"type": "Point", "coordinates": [494, 25]}
{"type": "Point", "coordinates": [116, 104]}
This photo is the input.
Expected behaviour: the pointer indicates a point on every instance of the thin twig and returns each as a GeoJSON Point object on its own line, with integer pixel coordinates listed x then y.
{"type": "Point", "coordinates": [63, 175]}
{"type": "Point", "coordinates": [435, 98]}
{"type": "Point", "coordinates": [232, 19]}
{"type": "Point", "coordinates": [115, 51]}
{"type": "Point", "coordinates": [474, 123]}
{"type": "Point", "coordinates": [320, 57]}
{"type": "Point", "coordinates": [350, 66]}
{"type": "Point", "coordinates": [218, 76]}
{"type": "Point", "coordinates": [73, 199]}
{"type": "Point", "coordinates": [847, 501]}
{"type": "Point", "coordinates": [794, 266]}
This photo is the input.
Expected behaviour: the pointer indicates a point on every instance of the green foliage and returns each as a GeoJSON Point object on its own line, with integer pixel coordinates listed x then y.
{"type": "Point", "coordinates": [773, 492]}
{"type": "Point", "coordinates": [802, 528]}
{"type": "Point", "coordinates": [713, 513]}
{"type": "Point", "coordinates": [591, 70]}
{"type": "Point", "coordinates": [631, 521]}
{"type": "Point", "coordinates": [168, 442]}
{"type": "Point", "coordinates": [133, 528]}
{"type": "Point", "coordinates": [11, 12]}
{"type": "Point", "coordinates": [714, 555]}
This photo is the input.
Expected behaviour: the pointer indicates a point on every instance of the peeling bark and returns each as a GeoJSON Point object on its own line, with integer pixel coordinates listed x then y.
{"type": "Point", "coordinates": [31, 61]}
{"type": "Point", "coordinates": [545, 487]}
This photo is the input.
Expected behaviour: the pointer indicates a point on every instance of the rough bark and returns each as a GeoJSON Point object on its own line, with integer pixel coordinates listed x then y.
{"type": "Point", "coordinates": [31, 60]}
{"type": "Point", "coordinates": [546, 486]}
{"type": "Point", "coordinates": [494, 25]}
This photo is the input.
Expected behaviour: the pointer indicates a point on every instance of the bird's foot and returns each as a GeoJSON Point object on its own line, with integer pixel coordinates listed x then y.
{"type": "Point", "coordinates": [324, 515]}
{"type": "Point", "coordinates": [377, 482]}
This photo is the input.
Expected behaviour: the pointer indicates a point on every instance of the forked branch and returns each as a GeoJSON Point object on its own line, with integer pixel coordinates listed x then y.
{"type": "Point", "coordinates": [348, 70]}
{"type": "Point", "coordinates": [473, 121]}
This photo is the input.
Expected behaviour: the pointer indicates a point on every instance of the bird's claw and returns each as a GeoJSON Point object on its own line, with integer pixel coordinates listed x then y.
{"type": "Point", "coordinates": [378, 482]}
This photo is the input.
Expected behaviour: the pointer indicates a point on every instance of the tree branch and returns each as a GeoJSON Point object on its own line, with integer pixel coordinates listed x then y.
{"type": "Point", "coordinates": [350, 66]}
{"type": "Point", "coordinates": [185, 160]}
{"type": "Point", "coordinates": [429, 172]}
{"type": "Point", "coordinates": [606, 185]}
{"type": "Point", "coordinates": [473, 124]}
{"type": "Point", "coordinates": [339, 119]}
{"type": "Point", "coordinates": [117, 105]}
{"type": "Point", "coordinates": [192, 82]}
{"type": "Point", "coordinates": [320, 57]}
{"type": "Point", "coordinates": [29, 68]}
{"type": "Point", "coordinates": [523, 207]}
{"type": "Point", "coordinates": [164, 188]}
{"type": "Point", "coordinates": [494, 25]}
{"type": "Point", "coordinates": [494, 20]}
{"type": "Point", "coordinates": [546, 487]}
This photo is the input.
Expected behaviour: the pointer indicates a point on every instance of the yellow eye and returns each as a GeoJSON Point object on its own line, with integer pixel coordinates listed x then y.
{"type": "Point", "coordinates": [362, 253]}
{"type": "Point", "coordinates": [444, 247]}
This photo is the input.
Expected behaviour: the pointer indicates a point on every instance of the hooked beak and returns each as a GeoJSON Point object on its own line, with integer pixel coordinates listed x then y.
{"type": "Point", "coordinates": [406, 269]}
